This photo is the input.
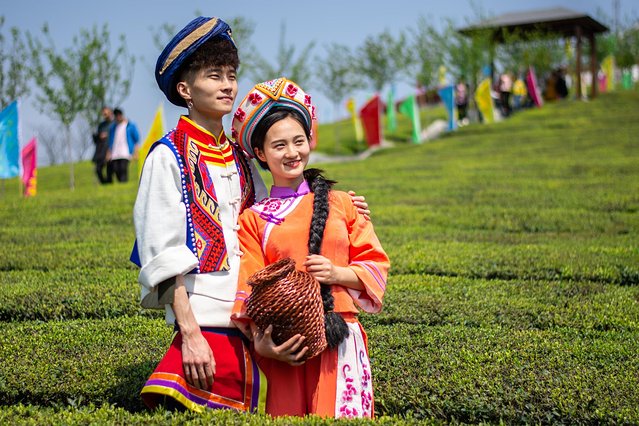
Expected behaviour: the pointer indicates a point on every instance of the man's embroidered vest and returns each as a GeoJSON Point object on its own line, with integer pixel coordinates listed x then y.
{"type": "Point", "coordinates": [204, 234]}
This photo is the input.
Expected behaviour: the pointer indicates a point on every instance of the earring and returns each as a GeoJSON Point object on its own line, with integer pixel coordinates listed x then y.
{"type": "Point", "coordinates": [189, 104]}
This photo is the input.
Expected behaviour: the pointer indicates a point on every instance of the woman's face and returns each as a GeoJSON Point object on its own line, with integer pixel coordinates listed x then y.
{"type": "Point", "coordinates": [286, 152]}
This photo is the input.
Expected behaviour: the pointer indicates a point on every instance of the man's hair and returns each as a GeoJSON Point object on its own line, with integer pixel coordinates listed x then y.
{"type": "Point", "coordinates": [216, 52]}
{"type": "Point", "coordinates": [117, 111]}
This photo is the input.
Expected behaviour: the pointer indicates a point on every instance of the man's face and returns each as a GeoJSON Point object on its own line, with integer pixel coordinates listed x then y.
{"type": "Point", "coordinates": [213, 91]}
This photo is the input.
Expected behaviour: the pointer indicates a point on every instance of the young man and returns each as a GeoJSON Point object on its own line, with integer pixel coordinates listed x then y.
{"type": "Point", "coordinates": [193, 186]}
{"type": "Point", "coordinates": [123, 145]}
{"type": "Point", "coordinates": [101, 141]}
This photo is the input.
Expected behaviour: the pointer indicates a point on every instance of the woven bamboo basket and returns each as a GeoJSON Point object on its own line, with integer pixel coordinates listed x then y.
{"type": "Point", "coordinates": [291, 301]}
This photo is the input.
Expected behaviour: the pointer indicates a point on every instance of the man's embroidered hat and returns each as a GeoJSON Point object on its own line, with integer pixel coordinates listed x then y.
{"type": "Point", "coordinates": [260, 100]}
{"type": "Point", "coordinates": [184, 43]}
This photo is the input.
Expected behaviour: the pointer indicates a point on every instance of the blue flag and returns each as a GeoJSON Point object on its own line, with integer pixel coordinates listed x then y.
{"type": "Point", "coordinates": [447, 94]}
{"type": "Point", "coordinates": [9, 143]}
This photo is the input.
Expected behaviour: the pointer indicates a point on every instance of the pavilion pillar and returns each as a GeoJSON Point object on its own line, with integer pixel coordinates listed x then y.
{"type": "Point", "coordinates": [594, 66]}
{"type": "Point", "coordinates": [578, 62]}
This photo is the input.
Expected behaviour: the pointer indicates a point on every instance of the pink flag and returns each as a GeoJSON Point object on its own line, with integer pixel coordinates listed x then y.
{"type": "Point", "coordinates": [369, 115]}
{"type": "Point", "coordinates": [29, 171]}
{"type": "Point", "coordinates": [533, 91]}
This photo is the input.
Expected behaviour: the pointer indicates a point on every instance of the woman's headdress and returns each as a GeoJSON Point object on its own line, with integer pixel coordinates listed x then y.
{"type": "Point", "coordinates": [280, 92]}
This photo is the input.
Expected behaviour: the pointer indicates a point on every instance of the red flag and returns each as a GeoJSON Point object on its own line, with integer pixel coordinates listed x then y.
{"type": "Point", "coordinates": [369, 114]}
{"type": "Point", "coordinates": [29, 171]}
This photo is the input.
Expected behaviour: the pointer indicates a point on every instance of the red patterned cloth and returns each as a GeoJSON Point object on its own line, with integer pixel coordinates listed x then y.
{"type": "Point", "coordinates": [238, 383]}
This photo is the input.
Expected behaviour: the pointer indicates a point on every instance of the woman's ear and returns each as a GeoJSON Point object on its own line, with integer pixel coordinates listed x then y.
{"type": "Point", "coordinates": [259, 154]}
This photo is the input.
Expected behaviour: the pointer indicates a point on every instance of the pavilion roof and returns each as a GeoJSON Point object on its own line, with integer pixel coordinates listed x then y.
{"type": "Point", "coordinates": [555, 20]}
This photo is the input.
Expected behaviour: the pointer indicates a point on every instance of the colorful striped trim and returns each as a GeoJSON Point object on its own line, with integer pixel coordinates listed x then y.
{"type": "Point", "coordinates": [374, 271]}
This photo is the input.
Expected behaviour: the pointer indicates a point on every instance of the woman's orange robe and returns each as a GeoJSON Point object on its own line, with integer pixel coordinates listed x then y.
{"type": "Point", "coordinates": [336, 383]}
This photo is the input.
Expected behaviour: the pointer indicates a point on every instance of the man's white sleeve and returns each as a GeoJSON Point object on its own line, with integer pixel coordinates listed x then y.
{"type": "Point", "coordinates": [159, 216]}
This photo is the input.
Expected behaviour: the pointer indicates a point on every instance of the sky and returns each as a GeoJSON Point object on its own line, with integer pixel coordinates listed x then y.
{"type": "Point", "coordinates": [347, 22]}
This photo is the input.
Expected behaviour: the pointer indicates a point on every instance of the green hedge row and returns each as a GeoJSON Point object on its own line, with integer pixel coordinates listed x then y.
{"type": "Point", "coordinates": [513, 376]}
{"type": "Point", "coordinates": [411, 253]}
{"type": "Point", "coordinates": [111, 415]}
{"type": "Point", "coordinates": [70, 294]}
{"type": "Point", "coordinates": [418, 299]}
{"type": "Point", "coordinates": [516, 305]}
{"type": "Point", "coordinates": [569, 261]}
{"type": "Point", "coordinates": [446, 372]}
{"type": "Point", "coordinates": [80, 361]}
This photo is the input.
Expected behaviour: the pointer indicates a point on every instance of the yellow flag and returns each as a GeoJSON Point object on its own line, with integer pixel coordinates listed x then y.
{"type": "Point", "coordinates": [608, 67]}
{"type": "Point", "coordinates": [350, 107]}
{"type": "Point", "coordinates": [442, 75]}
{"type": "Point", "coordinates": [484, 101]}
{"type": "Point", "coordinates": [155, 133]}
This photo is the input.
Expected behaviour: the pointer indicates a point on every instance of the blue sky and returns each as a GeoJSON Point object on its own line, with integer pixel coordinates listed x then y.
{"type": "Point", "coordinates": [324, 21]}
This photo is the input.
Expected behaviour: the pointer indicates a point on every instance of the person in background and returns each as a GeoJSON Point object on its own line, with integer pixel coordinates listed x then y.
{"type": "Point", "coordinates": [101, 141]}
{"type": "Point", "coordinates": [505, 89]}
{"type": "Point", "coordinates": [321, 230]}
{"type": "Point", "coordinates": [461, 101]}
{"type": "Point", "coordinates": [519, 93]}
{"type": "Point", "coordinates": [123, 146]}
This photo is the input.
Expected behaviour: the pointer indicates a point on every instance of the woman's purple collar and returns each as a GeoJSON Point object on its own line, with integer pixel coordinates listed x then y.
{"type": "Point", "coordinates": [286, 192]}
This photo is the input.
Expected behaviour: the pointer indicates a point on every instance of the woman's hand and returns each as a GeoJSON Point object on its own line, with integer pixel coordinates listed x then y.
{"type": "Point", "coordinates": [321, 269]}
{"type": "Point", "coordinates": [360, 203]}
{"type": "Point", "coordinates": [288, 351]}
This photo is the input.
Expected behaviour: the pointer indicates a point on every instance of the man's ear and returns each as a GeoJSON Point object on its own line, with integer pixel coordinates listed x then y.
{"type": "Point", "coordinates": [184, 90]}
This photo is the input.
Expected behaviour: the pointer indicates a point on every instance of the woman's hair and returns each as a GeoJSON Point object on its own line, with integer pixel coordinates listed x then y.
{"type": "Point", "coordinates": [336, 329]}
{"type": "Point", "coordinates": [216, 52]}
{"type": "Point", "coordinates": [273, 116]}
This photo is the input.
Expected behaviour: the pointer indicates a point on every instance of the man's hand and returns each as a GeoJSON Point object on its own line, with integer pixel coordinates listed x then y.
{"type": "Point", "coordinates": [360, 203]}
{"type": "Point", "coordinates": [288, 351]}
{"type": "Point", "coordinates": [198, 361]}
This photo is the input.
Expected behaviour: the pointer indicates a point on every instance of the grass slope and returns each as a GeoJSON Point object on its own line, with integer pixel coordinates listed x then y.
{"type": "Point", "coordinates": [513, 295]}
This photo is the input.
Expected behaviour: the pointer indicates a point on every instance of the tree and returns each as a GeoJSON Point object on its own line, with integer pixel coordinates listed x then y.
{"type": "Point", "coordinates": [383, 58]}
{"type": "Point", "coordinates": [14, 75]}
{"type": "Point", "coordinates": [51, 141]}
{"type": "Point", "coordinates": [75, 82]}
{"type": "Point", "coordinates": [427, 54]}
{"type": "Point", "coordinates": [298, 70]}
{"type": "Point", "coordinates": [466, 55]}
{"type": "Point", "coordinates": [112, 71]}
{"type": "Point", "coordinates": [543, 51]}
{"type": "Point", "coordinates": [337, 77]}
{"type": "Point", "coordinates": [628, 48]}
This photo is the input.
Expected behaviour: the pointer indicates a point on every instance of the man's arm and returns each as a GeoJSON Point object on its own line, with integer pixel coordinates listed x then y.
{"type": "Point", "coordinates": [197, 356]}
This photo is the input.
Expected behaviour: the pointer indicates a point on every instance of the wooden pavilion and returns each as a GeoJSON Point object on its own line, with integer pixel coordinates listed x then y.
{"type": "Point", "coordinates": [556, 21]}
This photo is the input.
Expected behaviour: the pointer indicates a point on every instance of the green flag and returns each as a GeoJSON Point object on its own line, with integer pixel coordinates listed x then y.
{"type": "Point", "coordinates": [409, 108]}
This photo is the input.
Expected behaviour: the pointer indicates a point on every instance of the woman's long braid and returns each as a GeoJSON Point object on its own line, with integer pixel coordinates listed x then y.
{"type": "Point", "coordinates": [335, 327]}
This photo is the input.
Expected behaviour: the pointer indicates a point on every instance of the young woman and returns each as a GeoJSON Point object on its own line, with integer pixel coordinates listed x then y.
{"type": "Point", "coordinates": [321, 230]}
